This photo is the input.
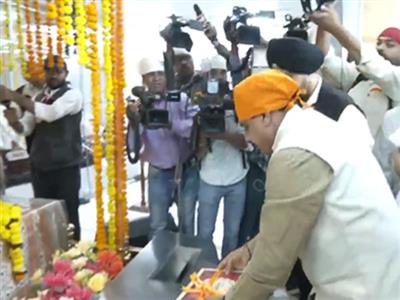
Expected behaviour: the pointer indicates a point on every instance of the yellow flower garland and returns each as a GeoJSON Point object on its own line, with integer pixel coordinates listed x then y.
{"type": "Point", "coordinates": [38, 72]}
{"type": "Point", "coordinates": [96, 111]}
{"type": "Point", "coordinates": [80, 21]}
{"type": "Point", "coordinates": [50, 17]}
{"type": "Point", "coordinates": [10, 231]}
{"type": "Point", "coordinates": [29, 39]}
{"type": "Point", "coordinates": [121, 177]}
{"type": "Point", "coordinates": [68, 34]}
{"type": "Point", "coordinates": [60, 30]}
{"type": "Point", "coordinates": [20, 39]}
{"type": "Point", "coordinates": [7, 35]}
{"type": "Point", "coordinates": [109, 132]}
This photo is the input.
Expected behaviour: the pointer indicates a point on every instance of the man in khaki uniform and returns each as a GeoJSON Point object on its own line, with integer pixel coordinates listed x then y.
{"type": "Point", "coordinates": [328, 202]}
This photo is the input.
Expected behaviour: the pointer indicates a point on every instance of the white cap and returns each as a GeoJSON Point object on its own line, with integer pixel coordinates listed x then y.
{"type": "Point", "coordinates": [148, 65]}
{"type": "Point", "coordinates": [205, 65]}
{"type": "Point", "coordinates": [181, 51]}
{"type": "Point", "coordinates": [218, 62]}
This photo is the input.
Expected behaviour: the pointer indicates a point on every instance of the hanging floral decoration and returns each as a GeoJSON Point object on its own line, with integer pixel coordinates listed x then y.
{"type": "Point", "coordinates": [20, 40]}
{"type": "Point", "coordinates": [38, 72]}
{"type": "Point", "coordinates": [80, 21]}
{"type": "Point", "coordinates": [7, 35]}
{"type": "Point", "coordinates": [110, 122]}
{"type": "Point", "coordinates": [119, 82]}
{"type": "Point", "coordinates": [96, 111]}
{"type": "Point", "coordinates": [11, 232]}
{"type": "Point", "coordinates": [29, 39]}
{"type": "Point", "coordinates": [68, 34]}
{"type": "Point", "coordinates": [60, 30]}
{"type": "Point", "coordinates": [51, 16]}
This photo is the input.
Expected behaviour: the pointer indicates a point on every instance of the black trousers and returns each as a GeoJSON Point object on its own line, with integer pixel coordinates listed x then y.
{"type": "Point", "coordinates": [255, 196]}
{"type": "Point", "coordinates": [62, 184]}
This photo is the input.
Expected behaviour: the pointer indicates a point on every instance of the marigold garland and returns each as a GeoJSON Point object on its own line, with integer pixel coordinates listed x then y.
{"type": "Point", "coordinates": [10, 231]}
{"type": "Point", "coordinates": [7, 34]}
{"type": "Point", "coordinates": [38, 72]}
{"type": "Point", "coordinates": [121, 177]}
{"type": "Point", "coordinates": [68, 34]}
{"type": "Point", "coordinates": [60, 30]}
{"type": "Point", "coordinates": [29, 39]}
{"type": "Point", "coordinates": [96, 111]}
{"type": "Point", "coordinates": [20, 40]}
{"type": "Point", "coordinates": [50, 17]}
{"type": "Point", "coordinates": [80, 21]}
{"type": "Point", "coordinates": [109, 137]}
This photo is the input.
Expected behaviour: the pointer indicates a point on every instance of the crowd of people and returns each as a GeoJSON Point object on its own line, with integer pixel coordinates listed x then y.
{"type": "Point", "coordinates": [307, 163]}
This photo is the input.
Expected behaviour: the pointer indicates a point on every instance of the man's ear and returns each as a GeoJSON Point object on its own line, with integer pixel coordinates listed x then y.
{"type": "Point", "coordinates": [267, 119]}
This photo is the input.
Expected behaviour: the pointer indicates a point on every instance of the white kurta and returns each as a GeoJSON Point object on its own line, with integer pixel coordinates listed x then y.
{"type": "Point", "coordinates": [354, 249]}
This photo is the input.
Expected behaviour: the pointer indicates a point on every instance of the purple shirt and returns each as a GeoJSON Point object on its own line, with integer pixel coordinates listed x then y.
{"type": "Point", "coordinates": [163, 147]}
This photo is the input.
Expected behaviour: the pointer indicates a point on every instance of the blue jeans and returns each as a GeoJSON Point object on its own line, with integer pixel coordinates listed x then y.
{"type": "Point", "coordinates": [160, 190]}
{"type": "Point", "coordinates": [209, 199]}
{"type": "Point", "coordinates": [190, 190]}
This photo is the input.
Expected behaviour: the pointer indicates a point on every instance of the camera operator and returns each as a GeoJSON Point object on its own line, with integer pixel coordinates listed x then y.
{"type": "Point", "coordinates": [164, 149]}
{"type": "Point", "coordinates": [53, 118]}
{"type": "Point", "coordinates": [239, 69]}
{"type": "Point", "coordinates": [222, 173]}
{"type": "Point", "coordinates": [183, 66]}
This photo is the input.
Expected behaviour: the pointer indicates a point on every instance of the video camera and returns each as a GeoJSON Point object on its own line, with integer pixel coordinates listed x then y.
{"type": "Point", "coordinates": [213, 98]}
{"type": "Point", "coordinates": [297, 27]}
{"type": "Point", "coordinates": [236, 28]}
{"type": "Point", "coordinates": [174, 35]}
{"type": "Point", "coordinates": [150, 117]}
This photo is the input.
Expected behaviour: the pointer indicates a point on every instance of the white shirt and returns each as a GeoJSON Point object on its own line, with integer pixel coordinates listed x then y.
{"type": "Point", "coordinates": [224, 164]}
{"type": "Point", "coordinates": [68, 104]}
{"type": "Point", "coordinates": [372, 95]}
{"type": "Point", "coordinates": [7, 134]}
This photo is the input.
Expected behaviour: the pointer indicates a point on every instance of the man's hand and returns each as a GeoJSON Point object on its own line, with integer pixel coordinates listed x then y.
{"type": "Point", "coordinates": [132, 111]}
{"type": "Point", "coordinates": [236, 260]}
{"type": "Point", "coordinates": [6, 93]}
{"type": "Point", "coordinates": [210, 32]}
{"type": "Point", "coordinates": [11, 115]}
{"type": "Point", "coordinates": [327, 18]}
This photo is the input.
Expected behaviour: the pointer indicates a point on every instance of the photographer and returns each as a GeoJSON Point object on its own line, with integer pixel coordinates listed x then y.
{"type": "Point", "coordinates": [164, 149]}
{"type": "Point", "coordinates": [222, 173]}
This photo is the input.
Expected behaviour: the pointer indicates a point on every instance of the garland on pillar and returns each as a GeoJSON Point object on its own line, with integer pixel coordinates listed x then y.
{"type": "Point", "coordinates": [50, 17]}
{"type": "Point", "coordinates": [29, 39]}
{"type": "Point", "coordinates": [91, 8]}
{"type": "Point", "coordinates": [20, 40]}
{"type": "Point", "coordinates": [80, 20]}
{"type": "Point", "coordinates": [120, 182]}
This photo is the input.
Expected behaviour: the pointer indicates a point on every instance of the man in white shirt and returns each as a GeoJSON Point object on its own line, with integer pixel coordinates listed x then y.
{"type": "Point", "coordinates": [223, 172]}
{"type": "Point", "coordinates": [374, 81]}
{"type": "Point", "coordinates": [53, 119]}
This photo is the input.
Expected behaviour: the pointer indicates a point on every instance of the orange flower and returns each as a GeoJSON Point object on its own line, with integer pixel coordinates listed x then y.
{"type": "Point", "coordinates": [110, 262]}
